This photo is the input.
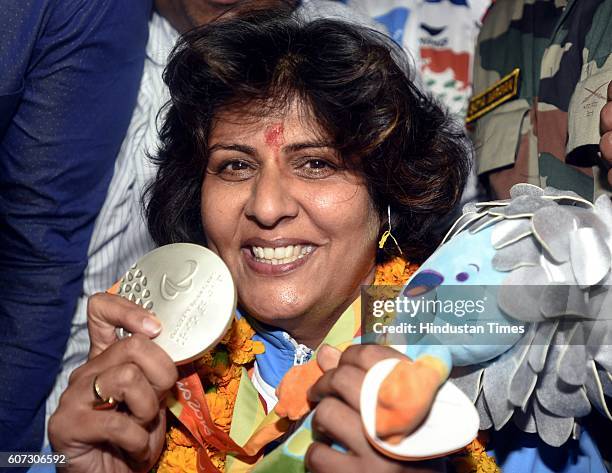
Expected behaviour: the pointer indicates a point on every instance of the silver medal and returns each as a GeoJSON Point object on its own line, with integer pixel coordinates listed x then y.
{"type": "Point", "coordinates": [190, 290]}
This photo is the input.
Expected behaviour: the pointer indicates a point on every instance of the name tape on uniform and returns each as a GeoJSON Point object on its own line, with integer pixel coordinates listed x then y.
{"type": "Point", "coordinates": [500, 92]}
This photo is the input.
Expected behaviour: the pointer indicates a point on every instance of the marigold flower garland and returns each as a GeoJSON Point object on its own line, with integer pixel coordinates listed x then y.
{"type": "Point", "coordinates": [476, 459]}
{"type": "Point", "coordinates": [220, 371]}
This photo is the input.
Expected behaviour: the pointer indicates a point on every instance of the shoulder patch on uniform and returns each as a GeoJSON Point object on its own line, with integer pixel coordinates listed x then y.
{"type": "Point", "coordinates": [500, 92]}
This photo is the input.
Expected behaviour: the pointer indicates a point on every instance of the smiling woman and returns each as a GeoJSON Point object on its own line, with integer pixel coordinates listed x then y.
{"type": "Point", "coordinates": [348, 85]}
{"type": "Point", "coordinates": [288, 149]}
{"type": "Point", "coordinates": [307, 133]}
{"type": "Point", "coordinates": [285, 214]}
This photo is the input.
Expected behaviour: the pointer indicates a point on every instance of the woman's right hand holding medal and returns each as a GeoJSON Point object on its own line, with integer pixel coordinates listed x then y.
{"type": "Point", "coordinates": [112, 416]}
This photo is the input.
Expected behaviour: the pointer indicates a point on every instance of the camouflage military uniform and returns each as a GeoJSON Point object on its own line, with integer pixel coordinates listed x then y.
{"type": "Point", "coordinates": [548, 134]}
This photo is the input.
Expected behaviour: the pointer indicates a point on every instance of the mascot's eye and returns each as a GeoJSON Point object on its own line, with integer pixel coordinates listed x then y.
{"type": "Point", "coordinates": [462, 277]}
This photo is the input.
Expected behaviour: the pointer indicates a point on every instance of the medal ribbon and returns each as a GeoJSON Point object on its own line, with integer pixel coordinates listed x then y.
{"type": "Point", "coordinates": [187, 402]}
{"type": "Point", "coordinates": [191, 409]}
{"type": "Point", "coordinates": [195, 416]}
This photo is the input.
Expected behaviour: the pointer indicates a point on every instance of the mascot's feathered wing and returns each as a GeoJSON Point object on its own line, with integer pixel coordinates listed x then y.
{"type": "Point", "coordinates": [549, 252]}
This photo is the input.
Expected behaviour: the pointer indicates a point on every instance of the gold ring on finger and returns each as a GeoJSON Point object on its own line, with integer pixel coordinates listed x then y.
{"type": "Point", "coordinates": [102, 403]}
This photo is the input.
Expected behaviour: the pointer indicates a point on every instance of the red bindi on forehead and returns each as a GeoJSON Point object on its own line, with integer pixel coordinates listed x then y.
{"type": "Point", "coordinates": [274, 135]}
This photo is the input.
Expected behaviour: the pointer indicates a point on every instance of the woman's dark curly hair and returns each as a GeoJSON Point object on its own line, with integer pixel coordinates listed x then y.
{"type": "Point", "coordinates": [351, 78]}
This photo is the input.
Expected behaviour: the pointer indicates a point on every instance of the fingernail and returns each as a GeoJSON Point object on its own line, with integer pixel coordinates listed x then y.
{"type": "Point", "coordinates": [151, 326]}
{"type": "Point", "coordinates": [328, 357]}
{"type": "Point", "coordinates": [329, 350]}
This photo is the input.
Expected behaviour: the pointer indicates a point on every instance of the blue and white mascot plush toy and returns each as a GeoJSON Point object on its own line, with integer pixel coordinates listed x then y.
{"type": "Point", "coordinates": [543, 260]}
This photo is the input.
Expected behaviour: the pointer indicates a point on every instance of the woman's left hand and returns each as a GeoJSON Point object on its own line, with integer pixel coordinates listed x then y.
{"type": "Point", "coordinates": [338, 419]}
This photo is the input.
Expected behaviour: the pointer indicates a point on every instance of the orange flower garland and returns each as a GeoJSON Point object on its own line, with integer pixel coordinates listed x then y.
{"type": "Point", "coordinates": [221, 369]}
{"type": "Point", "coordinates": [476, 459]}
{"type": "Point", "coordinates": [395, 272]}
{"type": "Point", "coordinates": [180, 454]}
